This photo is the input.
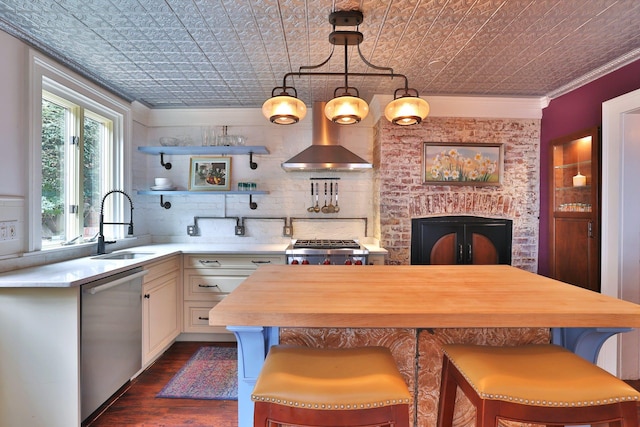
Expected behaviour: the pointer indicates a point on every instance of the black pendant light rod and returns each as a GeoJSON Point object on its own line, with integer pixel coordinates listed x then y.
{"type": "Point", "coordinates": [335, 74]}
{"type": "Point", "coordinates": [345, 38]}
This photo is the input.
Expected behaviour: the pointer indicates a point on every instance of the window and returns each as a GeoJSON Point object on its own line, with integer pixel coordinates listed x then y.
{"type": "Point", "coordinates": [81, 157]}
{"type": "Point", "coordinates": [76, 165]}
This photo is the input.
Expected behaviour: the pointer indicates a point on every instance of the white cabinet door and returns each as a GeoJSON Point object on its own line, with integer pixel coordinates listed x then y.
{"type": "Point", "coordinates": [161, 309]}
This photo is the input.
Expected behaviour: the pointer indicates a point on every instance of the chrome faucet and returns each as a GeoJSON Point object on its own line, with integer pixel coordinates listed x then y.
{"type": "Point", "coordinates": [101, 241]}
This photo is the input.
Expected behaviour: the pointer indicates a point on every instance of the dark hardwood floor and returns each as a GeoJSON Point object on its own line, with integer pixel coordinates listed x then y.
{"type": "Point", "coordinates": [137, 405]}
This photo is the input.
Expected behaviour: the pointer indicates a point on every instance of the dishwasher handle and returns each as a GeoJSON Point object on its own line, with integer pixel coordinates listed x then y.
{"type": "Point", "coordinates": [117, 282]}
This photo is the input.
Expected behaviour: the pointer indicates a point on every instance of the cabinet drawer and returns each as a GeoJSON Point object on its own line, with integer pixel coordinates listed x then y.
{"type": "Point", "coordinates": [212, 287]}
{"type": "Point", "coordinates": [161, 268]}
{"type": "Point", "coordinates": [196, 318]}
{"type": "Point", "coordinates": [231, 261]}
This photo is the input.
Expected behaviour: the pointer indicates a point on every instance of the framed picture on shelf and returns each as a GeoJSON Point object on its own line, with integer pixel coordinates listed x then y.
{"type": "Point", "coordinates": [447, 163]}
{"type": "Point", "coordinates": [210, 174]}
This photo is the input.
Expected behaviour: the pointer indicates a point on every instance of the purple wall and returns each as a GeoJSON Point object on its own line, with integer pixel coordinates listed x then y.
{"type": "Point", "coordinates": [573, 112]}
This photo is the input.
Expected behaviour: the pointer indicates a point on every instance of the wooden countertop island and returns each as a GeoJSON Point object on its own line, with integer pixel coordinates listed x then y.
{"type": "Point", "coordinates": [415, 296]}
{"type": "Point", "coordinates": [460, 296]}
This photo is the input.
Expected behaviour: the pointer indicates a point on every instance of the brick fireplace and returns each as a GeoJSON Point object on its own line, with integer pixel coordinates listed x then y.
{"type": "Point", "coordinates": [403, 196]}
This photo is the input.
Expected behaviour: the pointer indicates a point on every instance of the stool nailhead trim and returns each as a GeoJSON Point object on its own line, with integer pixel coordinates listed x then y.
{"type": "Point", "coordinates": [329, 405]}
{"type": "Point", "coordinates": [614, 399]}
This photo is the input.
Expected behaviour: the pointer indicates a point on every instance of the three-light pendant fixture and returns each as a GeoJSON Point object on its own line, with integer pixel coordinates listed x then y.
{"type": "Point", "coordinates": [285, 108]}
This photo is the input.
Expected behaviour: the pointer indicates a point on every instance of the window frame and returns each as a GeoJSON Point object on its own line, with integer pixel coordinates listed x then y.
{"type": "Point", "coordinates": [67, 85]}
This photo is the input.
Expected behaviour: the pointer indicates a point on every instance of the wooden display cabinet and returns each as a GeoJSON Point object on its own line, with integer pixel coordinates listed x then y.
{"type": "Point", "coordinates": [575, 209]}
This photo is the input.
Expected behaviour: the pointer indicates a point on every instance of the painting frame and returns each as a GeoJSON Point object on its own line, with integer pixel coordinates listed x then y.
{"type": "Point", "coordinates": [208, 173]}
{"type": "Point", "coordinates": [462, 163]}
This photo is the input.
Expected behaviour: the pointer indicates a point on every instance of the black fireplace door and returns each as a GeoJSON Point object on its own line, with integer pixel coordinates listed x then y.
{"type": "Point", "coordinates": [460, 240]}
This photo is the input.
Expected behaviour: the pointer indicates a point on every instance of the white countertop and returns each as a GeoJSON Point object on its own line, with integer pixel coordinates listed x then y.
{"type": "Point", "coordinates": [80, 271]}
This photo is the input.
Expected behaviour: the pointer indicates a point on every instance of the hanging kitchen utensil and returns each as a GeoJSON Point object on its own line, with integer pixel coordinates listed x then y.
{"type": "Point", "coordinates": [331, 208]}
{"type": "Point", "coordinates": [316, 208]}
{"type": "Point", "coordinates": [325, 209]}
{"type": "Point", "coordinates": [310, 208]}
{"type": "Point", "coordinates": [336, 208]}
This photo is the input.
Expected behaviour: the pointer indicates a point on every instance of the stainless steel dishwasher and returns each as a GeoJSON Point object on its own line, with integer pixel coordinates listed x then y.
{"type": "Point", "coordinates": [111, 336]}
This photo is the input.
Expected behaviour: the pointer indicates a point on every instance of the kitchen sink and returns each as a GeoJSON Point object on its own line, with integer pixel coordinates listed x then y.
{"type": "Point", "coordinates": [124, 255]}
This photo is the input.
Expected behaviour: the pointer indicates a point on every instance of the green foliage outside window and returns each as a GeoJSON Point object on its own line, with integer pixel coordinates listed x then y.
{"type": "Point", "coordinates": [53, 168]}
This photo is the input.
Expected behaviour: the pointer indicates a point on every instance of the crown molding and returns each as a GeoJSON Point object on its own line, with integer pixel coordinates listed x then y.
{"type": "Point", "coordinates": [473, 106]}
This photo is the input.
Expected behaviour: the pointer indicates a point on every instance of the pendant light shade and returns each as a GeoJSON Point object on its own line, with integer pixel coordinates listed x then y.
{"type": "Point", "coordinates": [346, 109]}
{"type": "Point", "coordinates": [284, 109]}
{"type": "Point", "coordinates": [407, 110]}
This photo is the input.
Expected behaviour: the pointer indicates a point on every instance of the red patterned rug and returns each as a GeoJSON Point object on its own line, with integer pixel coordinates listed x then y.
{"type": "Point", "coordinates": [210, 374]}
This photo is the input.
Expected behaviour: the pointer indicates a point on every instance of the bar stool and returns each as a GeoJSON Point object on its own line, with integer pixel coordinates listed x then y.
{"type": "Point", "coordinates": [330, 387]}
{"type": "Point", "coordinates": [540, 384]}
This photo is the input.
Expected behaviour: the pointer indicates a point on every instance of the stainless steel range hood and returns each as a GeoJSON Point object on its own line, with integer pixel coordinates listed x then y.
{"type": "Point", "coordinates": [325, 154]}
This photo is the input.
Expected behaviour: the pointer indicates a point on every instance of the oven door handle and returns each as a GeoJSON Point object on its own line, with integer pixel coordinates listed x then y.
{"type": "Point", "coordinates": [117, 282]}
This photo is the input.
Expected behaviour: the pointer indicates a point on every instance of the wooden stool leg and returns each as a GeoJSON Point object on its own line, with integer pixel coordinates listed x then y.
{"type": "Point", "coordinates": [447, 402]}
{"type": "Point", "coordinates": [629, 412]}
{"type": "Point", "coordinates": [487, 414]}
{"type": "Point", "coordinates": [401, 415]}
{"type": "Point", "coordinates": [261, 415]}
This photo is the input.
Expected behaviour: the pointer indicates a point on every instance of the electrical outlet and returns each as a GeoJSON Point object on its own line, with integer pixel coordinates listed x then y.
{"type": "Point", "coordinates": [191, 230]}
{"type": "Point", "coordinates": [239, 230]}
{"type": "Point", "coordinates": [8, 230]}
{"type": "Point", "coordinates": [287, 231]}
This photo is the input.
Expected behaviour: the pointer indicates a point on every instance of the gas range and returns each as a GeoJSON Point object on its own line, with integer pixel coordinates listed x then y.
{"type": "Point", "coordinates": [326, 251]}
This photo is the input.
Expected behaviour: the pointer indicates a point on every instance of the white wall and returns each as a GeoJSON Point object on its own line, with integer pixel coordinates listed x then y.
{"type": "Point", "coordinates": [13, 116]}
{"type": "Point", "coordinates": [289, 192]}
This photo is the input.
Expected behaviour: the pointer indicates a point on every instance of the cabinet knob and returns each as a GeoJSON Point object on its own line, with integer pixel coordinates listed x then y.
{"type": "Point", "coordinates": [147, 296]}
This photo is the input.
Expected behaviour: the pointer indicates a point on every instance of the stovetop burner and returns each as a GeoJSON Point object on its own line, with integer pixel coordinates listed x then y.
{"type": "Point", "coordinates": [326, 251]}
{"type": "Point", "coordinates": [326, 244]}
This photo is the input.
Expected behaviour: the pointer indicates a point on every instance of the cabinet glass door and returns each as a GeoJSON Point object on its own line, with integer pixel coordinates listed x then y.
{"type": "Point", "coordinates": [572, 177]}
{"type": "Point", "coordinates": [574, 229]}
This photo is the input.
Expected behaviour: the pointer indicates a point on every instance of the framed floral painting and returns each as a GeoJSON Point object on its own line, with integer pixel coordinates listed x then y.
{"type": "Point", "coordinates": [448, 163]}
{"type": "Point", "coordinates": [210, 174]}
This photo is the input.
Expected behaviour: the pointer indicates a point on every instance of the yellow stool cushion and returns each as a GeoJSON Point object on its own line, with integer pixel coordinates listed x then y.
{"type": "Point", "coordinates": [537, 375]}
{"type": "Point", "coordinates": [331, 379]}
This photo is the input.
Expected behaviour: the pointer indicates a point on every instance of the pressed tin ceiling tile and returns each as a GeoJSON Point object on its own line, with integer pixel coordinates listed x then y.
{"type": "Point", "coordinates": [230, 53]}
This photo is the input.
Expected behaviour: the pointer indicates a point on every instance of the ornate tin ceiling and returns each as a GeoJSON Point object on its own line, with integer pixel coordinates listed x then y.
{"type": "Point", "coordinates": [231, 53]}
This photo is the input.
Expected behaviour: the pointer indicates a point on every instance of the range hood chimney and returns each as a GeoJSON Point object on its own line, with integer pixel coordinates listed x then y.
{"type": "Point", "coordinates": [325, 154]}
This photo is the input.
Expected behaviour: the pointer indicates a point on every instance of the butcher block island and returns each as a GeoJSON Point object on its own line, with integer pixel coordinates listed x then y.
{"type": "Point", "coordinates": [463, 296]}
{"type": "Point", "coordinates": [413, 310]}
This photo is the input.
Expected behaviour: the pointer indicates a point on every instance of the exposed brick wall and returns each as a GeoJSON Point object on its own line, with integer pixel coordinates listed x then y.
{"type": "Point", "coordinates": [403, 196]}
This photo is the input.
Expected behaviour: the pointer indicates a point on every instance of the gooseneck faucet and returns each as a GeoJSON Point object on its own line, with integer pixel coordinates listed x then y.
{"type": "Point", "coordinates": [101, 242]}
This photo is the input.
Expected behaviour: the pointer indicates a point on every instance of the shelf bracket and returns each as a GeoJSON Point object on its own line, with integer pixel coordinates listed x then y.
{"type": "Point", "coordinates": [166, 205]}
{"type": "Point", "coordinates": [252, 164]}
{"type": "Point", "coordinates": [253, 205]}
{"type": "Point", "coordinates": [166, 165]}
